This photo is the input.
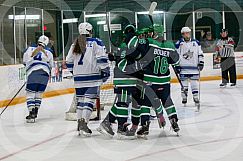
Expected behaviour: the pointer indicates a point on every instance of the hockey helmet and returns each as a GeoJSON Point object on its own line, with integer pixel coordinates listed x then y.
{"type": "Point", "coordinates": [158, 29]}
{"type": "Point", "coordinates": [185, 30]}
{"type": "Point", "coordinates": [43, 41]}
{"type": "Point", "coordinates": [85, 28]}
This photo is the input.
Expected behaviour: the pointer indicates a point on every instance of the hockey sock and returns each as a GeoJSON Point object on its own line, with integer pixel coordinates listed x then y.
{"type": "Point", "coordinates": [145, 114]}
{"type": "Point", "coordinates": [79, 113]}
{"type": "Point", "coordinates": [112, 118]}
{"type": "Point", "coordinates": [38, 100]}
{"type": "Point", "coordinates": [86, 115]}
{"type": "Point", "coordinates": [136, 112]}
{"type": "Point", "coordinates": [30, 100]}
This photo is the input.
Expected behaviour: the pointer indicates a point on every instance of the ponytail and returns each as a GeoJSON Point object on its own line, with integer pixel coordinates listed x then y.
{"type": "Point", "coordinates": [80, 45]}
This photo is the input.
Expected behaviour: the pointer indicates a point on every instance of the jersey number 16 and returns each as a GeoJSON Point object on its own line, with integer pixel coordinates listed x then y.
{"type": "Point", "coordinates": [160, 65]}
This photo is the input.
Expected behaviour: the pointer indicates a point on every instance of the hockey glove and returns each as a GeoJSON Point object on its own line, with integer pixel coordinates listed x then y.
{"type": "Point", "coordinates": [105, 74]}
{"type": "Point", "coordinates": [200, 66]}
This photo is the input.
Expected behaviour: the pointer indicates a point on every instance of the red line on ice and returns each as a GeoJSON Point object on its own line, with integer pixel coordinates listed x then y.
{"type": "Point", "coordinates": [35, 145]}
{"type": "Point", "coordinates": [181, 147]}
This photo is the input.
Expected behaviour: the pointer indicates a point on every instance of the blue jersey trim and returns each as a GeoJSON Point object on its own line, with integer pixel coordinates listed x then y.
{"type": "Point", "coordinates": [98, 41]}
{"type": "Point", "coordinates": [87, 78]}
{"type": "Point", "coordinates": [38, 63]}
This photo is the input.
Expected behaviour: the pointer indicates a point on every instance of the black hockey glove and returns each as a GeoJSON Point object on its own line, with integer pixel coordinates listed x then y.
{"type": "Point", "coordinates": [200, 66]}
{"type": "Point", "coordinates": [105, 74]}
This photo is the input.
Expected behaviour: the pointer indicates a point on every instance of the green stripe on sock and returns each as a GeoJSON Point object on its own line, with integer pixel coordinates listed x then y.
{"type": "Point", "coordinates": [160, 110]}
{"type": "Point", "coordinates": [136, 112]}
{"type": "Point", "coordinates": [145, 110]}
{"type": "Point", "coordinates": [170, 110]}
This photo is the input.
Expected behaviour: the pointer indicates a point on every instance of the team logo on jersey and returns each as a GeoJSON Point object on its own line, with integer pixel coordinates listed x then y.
{"type": "Point", "coordinates": [188, 55]}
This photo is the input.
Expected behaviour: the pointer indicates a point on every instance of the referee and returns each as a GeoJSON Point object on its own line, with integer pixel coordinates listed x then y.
{"type": "Point", "coordinates": [225, 49]}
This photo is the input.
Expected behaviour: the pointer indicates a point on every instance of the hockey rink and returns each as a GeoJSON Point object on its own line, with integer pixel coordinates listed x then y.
{"type": "Point", "coordinates": [213, 134]}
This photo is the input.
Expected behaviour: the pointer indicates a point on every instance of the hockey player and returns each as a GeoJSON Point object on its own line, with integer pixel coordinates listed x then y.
{"type": "Point", "coordinates": [88, 62]}
{"type": "Point", "coordinates": [159, 56]}
{"type": "Point", "coordinates": [127, 75]}
{"type": "Point", "coordinates": [38, 61]}
{"type": "Point", "coordinates": [191, 63]}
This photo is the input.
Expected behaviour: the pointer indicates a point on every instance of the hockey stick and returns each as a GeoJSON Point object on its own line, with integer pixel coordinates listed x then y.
{"type": "Point", "coordinates": [178, 78]}
{"type": "Point", "coordinates": [151, 11]}
{"type": "Point", "coordinates": [12, 99]}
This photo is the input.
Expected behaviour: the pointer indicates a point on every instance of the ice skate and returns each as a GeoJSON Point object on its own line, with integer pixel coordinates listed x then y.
{"type": "Point", "coordinates": [184, 101]}
{"type": "Point", "coordinates": [105, 128]}
{"type": "Point", "coordinates": [32, 116]}
{"type": "Point", "coordinates": [121, 131]}
{"type": "Point", "coordinates": [175, 126]}
{"type": "Point", "coordinates": [131, 134]}
{"type": "Point", "coordinates": [143, 131]}
{"type": "Point", "coordinates": [223, 85]}
{"type": "Point", "coordinates": [233, 84]}
{"type": "Point", "coordinates": [83, 129]}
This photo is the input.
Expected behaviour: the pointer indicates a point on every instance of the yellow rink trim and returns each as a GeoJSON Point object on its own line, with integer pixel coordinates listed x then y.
{"type": "Point", "coordinates": [49, 94]}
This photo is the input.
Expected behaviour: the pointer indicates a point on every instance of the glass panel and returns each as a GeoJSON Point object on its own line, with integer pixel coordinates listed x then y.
{"type": "Point", "coordinates": [208, 27]}
{"type": "Point", "coordinates": [52, 21]}
{"type": "Point", "coordinates": [234, 23]}
{"type": "Point", "coordinates": [174, 24]}
{"type": "Point", "coordinates": [20, 33]}
{"type": "Point", "coordinates": [6, 36]}
{"type": "Point", "coordinates": [71, 22]}
{"type": "Point", "coordinates": [33, 25]}
{"type": "Point", "coordinates": [144, 20]}
{"type": "Point", "coordinates": [119, 20]}
{"type": "Point", "coordinates": [98, 21]}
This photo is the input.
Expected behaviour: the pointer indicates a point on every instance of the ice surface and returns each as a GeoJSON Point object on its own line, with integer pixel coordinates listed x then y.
{"type": "Point", "coordinates": [214, 134]}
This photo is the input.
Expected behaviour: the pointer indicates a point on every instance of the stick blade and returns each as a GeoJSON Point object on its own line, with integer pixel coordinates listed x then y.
{"type": "Point", "coordinates": [152, 8]}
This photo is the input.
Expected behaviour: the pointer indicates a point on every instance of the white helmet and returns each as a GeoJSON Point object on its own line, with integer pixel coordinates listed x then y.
{"type": "Point", "coordinates": [185, 30]}
{"type": "Point", "coordinates": [85, 28]}
{"type": "Point", "coordinates": [43, 41]}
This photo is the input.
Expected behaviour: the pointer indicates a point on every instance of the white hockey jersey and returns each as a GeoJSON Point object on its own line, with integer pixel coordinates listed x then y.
{"type": "Point", "coordinates": [36, 60]}
{"type": "Point", "coordinates": [191, 55]}
{"type": "Point", "coordinates": [87, 67]}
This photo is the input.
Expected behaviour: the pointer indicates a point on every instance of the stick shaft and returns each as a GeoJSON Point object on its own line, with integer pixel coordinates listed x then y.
{"type": "Point", "coordinates": [12, 99]}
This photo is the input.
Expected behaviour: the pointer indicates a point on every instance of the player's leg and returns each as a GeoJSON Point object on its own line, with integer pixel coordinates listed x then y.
{"type": "Point", "coordinates": [145, 113]}
{"type": "Point", "coordinates": [137, 95]}
{"type": "Point", "coordinates": [42, 84]}
{"type": "Point", "coordinates": [165, 95]}
{"type": "Point", "coordinates": [86, 101]}
{"type": "Point", "coordinates": [184, 89]}
{"type": "Point", "coordinates": [106, 125]}
{"type": "Point", "coordinates": [124, 99]}
{"type": "Point", "coordinates": [35, 86]}
{"type": "Point", "coordinates": [195, 88]}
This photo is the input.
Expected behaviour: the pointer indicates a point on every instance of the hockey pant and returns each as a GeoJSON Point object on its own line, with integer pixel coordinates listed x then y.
{"type": "Point", "coordinates": [194, 81]}
{"type": "Point", "coordinates": [86, 100]}
{"type": "Point", "coordinates": [36, 85]}
{"type": "Point", "coordinates": [158, 97]}
{"type": "Point", "coordinates": [119, 110]}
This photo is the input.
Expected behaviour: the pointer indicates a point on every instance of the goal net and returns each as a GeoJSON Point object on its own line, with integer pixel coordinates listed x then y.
{"type": "Point", "coordinates": [106, 99]}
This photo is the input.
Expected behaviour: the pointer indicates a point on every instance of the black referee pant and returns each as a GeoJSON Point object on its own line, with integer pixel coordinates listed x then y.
{"type": "Point", "coordinates": [228, 70]}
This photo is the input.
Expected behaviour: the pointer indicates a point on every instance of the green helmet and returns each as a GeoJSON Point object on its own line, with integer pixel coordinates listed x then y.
{"type": "Point", "coordinates": [159, 29]}
{"type": "Point", "coordinates": [142, 31]}
{"type": "Point", "coordinates": [129, 29]}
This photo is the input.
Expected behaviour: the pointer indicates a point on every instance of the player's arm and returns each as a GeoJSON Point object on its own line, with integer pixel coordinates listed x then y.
{"type": "Point", "coordinates": [200, 57]}
{"type": "Point", "coordinates": [25, 56]}
{"type": "Point", "coordinates": [70, 59]}
{"type": "Point", "coordinates": [102, 60]}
